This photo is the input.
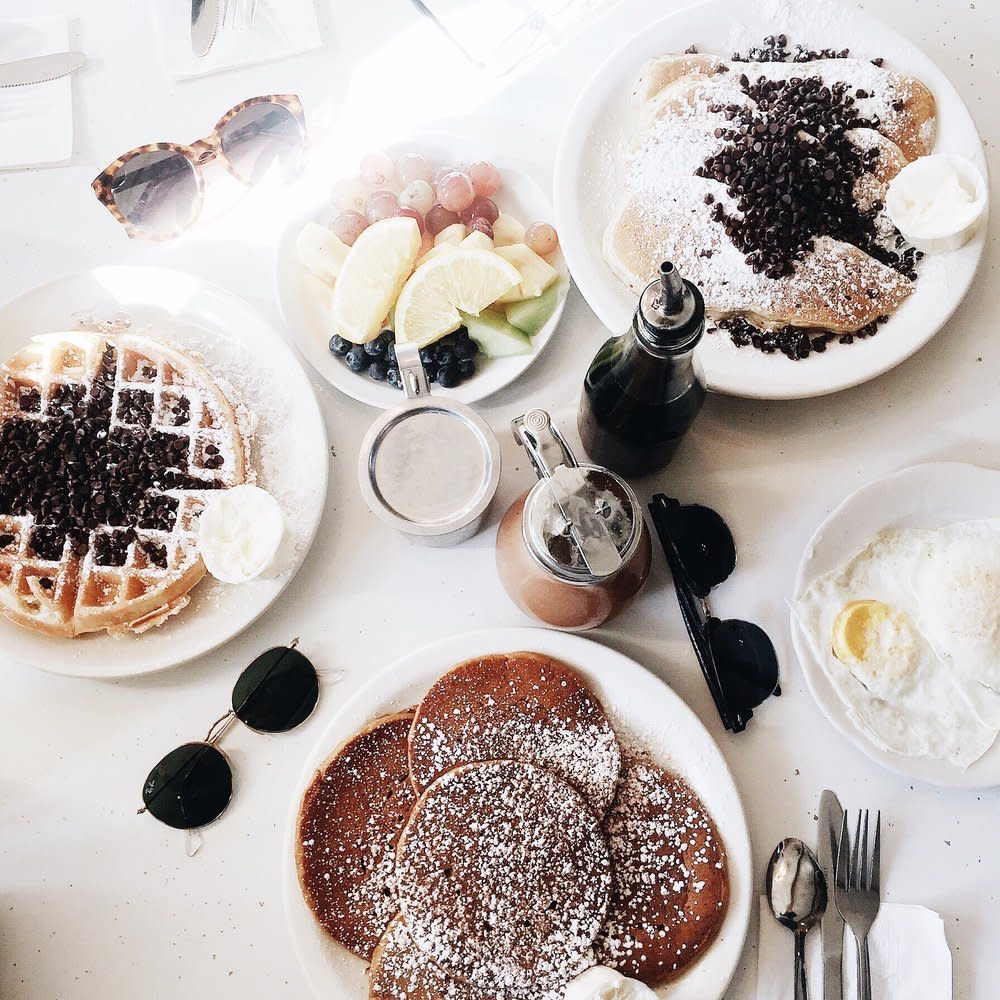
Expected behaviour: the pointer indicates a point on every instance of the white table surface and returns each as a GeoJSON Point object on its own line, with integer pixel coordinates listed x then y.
{"type": "Point", "coordinates": [95, 901]}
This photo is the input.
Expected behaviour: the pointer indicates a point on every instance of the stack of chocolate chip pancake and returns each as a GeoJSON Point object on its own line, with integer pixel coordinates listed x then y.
{"type": "Point", "coordinates": [763, 179]}
{"type": "Point", "coordinates": [495, 842]}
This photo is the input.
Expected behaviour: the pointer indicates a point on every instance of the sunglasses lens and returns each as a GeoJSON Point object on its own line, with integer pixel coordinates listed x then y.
{"type": "Point", "coordinates": [263, 138]}
{"type": "Point", "coordinates": [190, 787]}
{"type": "Point", "coordinates": [157, 192]}
{"type": "Point", "coordinates": [705, 545]}
{"type": "Point", "coordinates": [277, 692]}
{"type": "Point", "coordinates": [745, 660]}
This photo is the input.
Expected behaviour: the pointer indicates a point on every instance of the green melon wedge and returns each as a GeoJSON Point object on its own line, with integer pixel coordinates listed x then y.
{"type": "Point", "coordinates": [495, 336]}
{"type": "Point", "coordinates": [530, 315]}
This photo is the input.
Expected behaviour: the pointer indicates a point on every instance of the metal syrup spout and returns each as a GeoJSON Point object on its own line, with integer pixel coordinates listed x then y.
{"type": "Point", "coordinates": [671, 288]}
{"type": "Point", "coordinates": [671, 313]}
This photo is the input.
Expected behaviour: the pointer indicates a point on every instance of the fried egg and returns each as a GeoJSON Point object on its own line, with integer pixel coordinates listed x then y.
{"type": "Point", "coordinates": [957, 585]}
{"type": "Point", "coordinates": [873, 636]}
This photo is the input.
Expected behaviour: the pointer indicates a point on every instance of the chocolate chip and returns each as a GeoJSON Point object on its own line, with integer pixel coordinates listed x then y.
{"type": "Point", "coordinates": [74, 472]}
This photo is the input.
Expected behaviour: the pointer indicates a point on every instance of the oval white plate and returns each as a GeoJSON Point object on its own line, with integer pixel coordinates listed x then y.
{"type": "Point", "coordinates": [308, 318]}
{"type": "Point", "coordinates": [922, 496]}
{"type": "Point", "coordinates": [638, 704]}
{"type": "Point", "coordinates": [239, 347]}
{"type": "Point", "coordinates": [585, 186]}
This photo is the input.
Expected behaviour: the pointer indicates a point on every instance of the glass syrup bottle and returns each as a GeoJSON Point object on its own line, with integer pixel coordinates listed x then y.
{"type": "Point", "coordinates": [643, 390]}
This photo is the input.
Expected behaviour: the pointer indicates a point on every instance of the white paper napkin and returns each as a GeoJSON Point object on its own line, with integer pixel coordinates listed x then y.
{"type": "Point", "coordinates": [36, 121]}
{"type": "Point", "coordinates": [909, 957]}
{"type": "Point", "coordinates": [280, 28]}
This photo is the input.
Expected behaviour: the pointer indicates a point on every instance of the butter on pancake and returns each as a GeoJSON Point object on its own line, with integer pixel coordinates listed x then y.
{"type": "Point", "coordinates": [349, 822]}
{"type": "Point", "coordinates": [517, 706]}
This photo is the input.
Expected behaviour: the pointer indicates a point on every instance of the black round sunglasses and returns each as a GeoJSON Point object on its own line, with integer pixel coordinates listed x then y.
{"type": "Point", "coordinates": [736, 657]}
{"type": "Point", "coordinates": [192, 785]}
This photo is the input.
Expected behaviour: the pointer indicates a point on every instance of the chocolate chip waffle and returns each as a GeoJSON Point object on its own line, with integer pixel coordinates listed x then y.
{"type": "Point", "coordinates": [763, 179]}
{"type": "Point", "coordinates": [108, 444]}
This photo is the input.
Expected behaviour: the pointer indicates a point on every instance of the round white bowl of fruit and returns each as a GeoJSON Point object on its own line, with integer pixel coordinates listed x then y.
{"type": "Point", "coordinates": [458, 260]}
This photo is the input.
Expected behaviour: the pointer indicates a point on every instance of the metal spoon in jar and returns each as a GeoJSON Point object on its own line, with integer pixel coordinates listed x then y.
{"type": "Point", "coordinates": [796, 889]}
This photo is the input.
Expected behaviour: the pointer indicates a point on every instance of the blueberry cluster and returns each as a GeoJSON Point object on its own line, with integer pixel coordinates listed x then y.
{"type": "Point", "coordinates": [449, 362]}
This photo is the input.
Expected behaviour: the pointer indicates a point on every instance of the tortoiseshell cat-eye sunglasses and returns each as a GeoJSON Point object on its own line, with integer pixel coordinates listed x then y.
{"type": "Point", "coordinates": [156, 191]}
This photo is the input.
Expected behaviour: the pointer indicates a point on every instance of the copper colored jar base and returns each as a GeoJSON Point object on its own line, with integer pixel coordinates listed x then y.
{"type": "Point", "coordinates": [568, 606]}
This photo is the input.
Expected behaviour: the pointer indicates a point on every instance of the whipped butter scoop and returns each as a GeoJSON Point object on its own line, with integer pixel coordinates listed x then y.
{"type": "Point", "coordinates": [239, 533]}
{"type": "Point", "coordinates": [937, 202]}
{"type": "Point", "coordinates": [602, 983]}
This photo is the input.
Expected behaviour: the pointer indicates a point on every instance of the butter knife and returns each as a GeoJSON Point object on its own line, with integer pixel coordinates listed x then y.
{"type": "Point", "coordinates": [204, 25]}
{"type": "Point", "coordinates": [831, 817]}
{"type": "Point", "coordinates": [39, 69]}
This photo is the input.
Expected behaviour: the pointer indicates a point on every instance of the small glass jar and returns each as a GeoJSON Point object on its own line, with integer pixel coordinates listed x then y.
{"type": "Point", "coordinates": [574, 550]}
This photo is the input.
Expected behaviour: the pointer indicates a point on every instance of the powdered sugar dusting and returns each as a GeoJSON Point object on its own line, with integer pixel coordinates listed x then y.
{"type": "Point", "coordinates": [670, 887]}
{"type": "Point", "coordinates": [352, 816]}
{"type": "Point", "coordinates": [503, 876]}
{"type": "Point", "coordinates": [522, 707]}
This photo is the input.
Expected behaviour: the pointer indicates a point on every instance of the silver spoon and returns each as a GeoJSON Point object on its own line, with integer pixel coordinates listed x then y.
{"type": "Point", "coordinates": [796, 889]}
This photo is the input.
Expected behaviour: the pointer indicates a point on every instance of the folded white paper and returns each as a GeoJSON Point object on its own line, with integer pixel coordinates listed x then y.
{"type": "Point", "coordinates": [280, 28]}
{"type": "Point", "coordinates": [907, 945]}
{"type": "Point", "coordinates": [36, 121]}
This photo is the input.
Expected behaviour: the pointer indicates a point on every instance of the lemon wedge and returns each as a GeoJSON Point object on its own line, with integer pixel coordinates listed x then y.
{"type": "Point", "coordinates": [466, 280]}
{"type": "Point", "coordinates": [371, 277]}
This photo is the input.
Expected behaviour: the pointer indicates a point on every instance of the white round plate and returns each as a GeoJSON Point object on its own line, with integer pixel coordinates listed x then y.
{"type": "Point", "coordinates": [586, 182]}
{"type": "Point", "coordinates": [307, 315]}
{"type": "Point", "coordinates": [239, 348]}
{"type": "Point", "coordinates": [923, 496]}
{"type": "Point", "coordinates": [638, 703]}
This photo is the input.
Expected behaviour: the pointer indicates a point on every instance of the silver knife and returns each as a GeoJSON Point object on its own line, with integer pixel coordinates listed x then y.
{"type": "Point", "coordinates": [204, 25]}
{"type": "Point", "coordinates": [831, 816]}
{"type": "Point", "coordinates": [39, 69]}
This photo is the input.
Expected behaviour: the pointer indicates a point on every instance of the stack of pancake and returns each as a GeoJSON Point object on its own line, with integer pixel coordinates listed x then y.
{"type": "Point", "coordinates": [496, 841]}
{"type": "Point", "coordinates": [670, 208]}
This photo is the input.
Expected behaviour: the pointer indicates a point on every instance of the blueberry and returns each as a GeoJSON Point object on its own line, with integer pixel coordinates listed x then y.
{"type": "Point", "coordinates": [378, 371]}
{"type": "Point", "coordinates": [392, 377]}
{"type": "Point", "coordinates": [431, 371]}
{"type": "Point", "coordinates": [427, 355]}
{"type": "Point", "coordinates": [462, 333]}
{"type": "Point", "coordinates": [390, 352]}
{"type": "Point", "coordinates": [375, 348]}
{"type": "Point", "coordinates": [466, 368]}
{"type": "Point", "coordinates": [445, 354]}
{"type": "Point", "coordinates": [448, 376]}
{"type": "Point", "coordinates": [339, 346]}
{"type": "Point", "coordinates": [465, 349]}
{"type": "Point", "coordinates": [357, 359]}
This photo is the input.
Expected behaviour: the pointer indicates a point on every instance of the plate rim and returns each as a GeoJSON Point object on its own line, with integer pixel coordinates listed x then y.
{"type": "Point", "coordinates": [292, 312]}
{"type": "Point", "coordinates": [568, 170]}
{"type": "Point", "coordinates": [938, 773]}
{"type": "Point", "coordinates": [375, 691]}
{"type": "Point", "coordinates": [64, 666]}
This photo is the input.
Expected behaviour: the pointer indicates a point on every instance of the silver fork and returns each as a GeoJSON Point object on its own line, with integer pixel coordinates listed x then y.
{"type": "Point", "coordinates": [857, 893]}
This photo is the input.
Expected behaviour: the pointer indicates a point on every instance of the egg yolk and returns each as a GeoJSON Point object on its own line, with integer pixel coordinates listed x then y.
{"type": "Point", "coordinates": [868, 633]}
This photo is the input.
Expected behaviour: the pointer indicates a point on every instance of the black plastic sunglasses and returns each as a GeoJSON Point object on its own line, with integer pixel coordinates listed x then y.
{"type": "Point", "coordinates": [736, 657]}
{"type": "Point", "coordinates": [193, 784]}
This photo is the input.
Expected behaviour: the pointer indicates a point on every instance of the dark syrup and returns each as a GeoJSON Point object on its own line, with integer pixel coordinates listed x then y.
{"type": "Point", "coordinates": [636, 408]}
